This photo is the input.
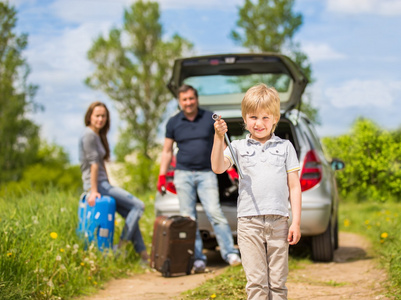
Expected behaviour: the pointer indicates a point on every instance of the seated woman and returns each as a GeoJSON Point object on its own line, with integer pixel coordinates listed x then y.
{"type": "Point", "coordinates": [93, 152]}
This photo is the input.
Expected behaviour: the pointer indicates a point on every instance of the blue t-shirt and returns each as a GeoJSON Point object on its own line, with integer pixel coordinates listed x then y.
{"type": "Point", "coordinates": [194, 140]}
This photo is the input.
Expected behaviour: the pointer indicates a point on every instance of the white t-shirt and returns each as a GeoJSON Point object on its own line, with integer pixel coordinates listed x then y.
{"type": "Point", "coordinates": [264, 188]}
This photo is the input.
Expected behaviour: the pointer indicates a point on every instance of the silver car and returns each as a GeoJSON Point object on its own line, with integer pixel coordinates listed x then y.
{"type": "Point", "coordinates": [222, 81]}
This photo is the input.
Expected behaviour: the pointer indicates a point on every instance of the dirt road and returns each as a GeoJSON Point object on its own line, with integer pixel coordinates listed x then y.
{"type": "Point", "coordinates": [352, 275]}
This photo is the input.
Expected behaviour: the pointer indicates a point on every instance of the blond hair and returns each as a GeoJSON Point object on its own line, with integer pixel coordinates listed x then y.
{"type": "Point", "coordinates": [261, 97]}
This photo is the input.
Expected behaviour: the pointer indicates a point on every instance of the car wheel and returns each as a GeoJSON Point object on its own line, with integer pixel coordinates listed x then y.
{"type": "Point", "coordinates": [210, 244]}
{"type": "Point", "coordinates": [336, 234]}
{"type": "Point", "coordinates": [323, 246]}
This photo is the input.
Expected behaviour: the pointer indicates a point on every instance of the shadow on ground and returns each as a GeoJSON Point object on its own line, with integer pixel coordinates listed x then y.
{"type": "Point", "coordinates": [345, 253]}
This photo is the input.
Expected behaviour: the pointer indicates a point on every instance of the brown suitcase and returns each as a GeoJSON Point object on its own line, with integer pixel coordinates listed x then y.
{"type": "Point", "coordinates": [173, 245]}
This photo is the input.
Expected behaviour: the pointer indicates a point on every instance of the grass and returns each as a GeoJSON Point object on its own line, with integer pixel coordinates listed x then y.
{"type": "Point", "coordinates": [379, 222]}
{"type": "Point", "coordinates": [41, 257]}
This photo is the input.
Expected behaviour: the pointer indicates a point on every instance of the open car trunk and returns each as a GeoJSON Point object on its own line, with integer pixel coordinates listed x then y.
{"type": "Point", "coordinates": [223, 79]}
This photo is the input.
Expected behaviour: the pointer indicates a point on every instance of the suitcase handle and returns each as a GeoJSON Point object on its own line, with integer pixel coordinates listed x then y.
{"type": "Point", "coordinates": [179, 218]}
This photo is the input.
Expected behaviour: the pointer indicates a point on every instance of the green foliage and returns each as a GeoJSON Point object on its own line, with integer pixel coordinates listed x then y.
{"type": "Point", "coordinates": [372, 157]}
{"type": "Point", "coordinates": [19, 136]}
{"type": "Point", "coordinates": [41, 257]}
{"type": "Point", "coordinates": [50, 169]}
{"type": "Point", "coordinates": [269, 26]}
{"type": "Point", "coordinates": [139, 176]}
{"type": "Point", "coordinates": [132, 66]}
{"type": "Point", "coordinates": [381, 223]}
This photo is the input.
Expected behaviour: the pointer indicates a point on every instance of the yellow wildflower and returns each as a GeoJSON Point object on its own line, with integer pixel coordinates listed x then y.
{"type": "Point", "coordinates": [61, 250]}
{"type": "Point", "coordinates": [346, 222]}
{"type": "Point", "coordinates": [367, 222]}
{"type": "Point", "coordinates": [9, 254]}
{"type": "Point", "coordinates": [82, 264]}
{"type": "Point", "coordinates": [213, 296]}
{"type": "Point", "coordinates": [384, 235]}
{"type": "Point", "coordinates": [53, 235]}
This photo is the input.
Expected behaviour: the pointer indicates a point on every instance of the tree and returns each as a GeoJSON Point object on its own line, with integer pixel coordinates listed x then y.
{"type": "Point", "coordinates": [269, 26]}
{"type": "Point", "coordinates": [132, 68]}
{"type": "Point", "coordinates": [19, 136]}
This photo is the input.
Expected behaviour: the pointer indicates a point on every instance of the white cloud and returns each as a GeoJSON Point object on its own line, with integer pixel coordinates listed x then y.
{"type": "Point", "coordinates": [321, 52]}
{"type": "Point", "coordinates": [361, 93]}
{"type": "Point", "coordinates": [19, 2]}
{"type": "Point", "coordinates": [61, 60]}
{"type": "Point", "coordinates": [377, 7]}
{"type": "Point", "coordinates": [204, 4]}
{"type": "Point", "coordinates": [78, 11]}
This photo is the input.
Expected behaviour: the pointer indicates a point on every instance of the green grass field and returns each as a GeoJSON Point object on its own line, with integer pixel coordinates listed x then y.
{"type": "Point", "coordinates": [41, 257]}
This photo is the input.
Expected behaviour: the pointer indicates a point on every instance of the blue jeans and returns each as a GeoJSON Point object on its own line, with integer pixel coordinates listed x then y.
{"type": "Point", "coordinates": [189, 184]}
{"type": "Point", "coordinates": [131, 209]}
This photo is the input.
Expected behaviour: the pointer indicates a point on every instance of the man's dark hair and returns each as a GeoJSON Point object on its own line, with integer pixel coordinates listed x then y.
{"type": "Point", "coordinates": [186, 87]}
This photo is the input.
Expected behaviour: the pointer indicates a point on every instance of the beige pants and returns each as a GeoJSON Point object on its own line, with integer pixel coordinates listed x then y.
{"type": "Point", "coordinates": [264, 251]}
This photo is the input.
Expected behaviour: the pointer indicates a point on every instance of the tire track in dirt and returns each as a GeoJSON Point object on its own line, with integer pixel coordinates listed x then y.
{"type": "Point", "coordinates": [353, 274]}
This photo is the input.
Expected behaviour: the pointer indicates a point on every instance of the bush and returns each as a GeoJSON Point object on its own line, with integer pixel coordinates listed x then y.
{"type": "Point", "coordinates": [51, 169]}
{"type": "Point", "coordinates": [372, 159]}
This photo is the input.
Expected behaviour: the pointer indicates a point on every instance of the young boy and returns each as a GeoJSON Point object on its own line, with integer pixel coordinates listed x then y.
{"type": "Point", "coordinates": [270, 167]}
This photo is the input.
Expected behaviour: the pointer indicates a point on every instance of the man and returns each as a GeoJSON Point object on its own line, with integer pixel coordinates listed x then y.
{"type": "Point", "coordinates": [192, 129]}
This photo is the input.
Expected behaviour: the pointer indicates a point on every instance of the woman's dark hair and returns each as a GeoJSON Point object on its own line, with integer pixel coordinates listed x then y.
{"type": "Point", "coordinates": [105, 129]}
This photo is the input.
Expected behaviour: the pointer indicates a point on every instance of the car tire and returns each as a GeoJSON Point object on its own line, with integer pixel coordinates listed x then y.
{"type": "Point", "coordinates": [210, 244]}
{"type": "Point", "coordinates": [323, 246]}
{"type": "Point", "coordinates": [336, 234]}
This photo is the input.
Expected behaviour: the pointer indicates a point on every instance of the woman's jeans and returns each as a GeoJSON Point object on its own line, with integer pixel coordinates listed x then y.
{"type": "Point", "coordinates": [131, 209]}
{"type": "Point", "coordinates": [189, 184]}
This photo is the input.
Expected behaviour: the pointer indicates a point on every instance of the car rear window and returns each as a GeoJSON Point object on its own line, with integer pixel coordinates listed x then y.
{"type": "Point", "coordinates": [209, 85]}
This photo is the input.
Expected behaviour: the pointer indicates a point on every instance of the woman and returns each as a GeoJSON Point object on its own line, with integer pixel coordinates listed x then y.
{"type": "Point", "coordinates": [93, 152]}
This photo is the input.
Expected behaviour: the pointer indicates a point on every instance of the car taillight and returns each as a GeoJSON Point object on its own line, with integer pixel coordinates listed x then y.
{"type": "Point", "coordinates": [311, 172]}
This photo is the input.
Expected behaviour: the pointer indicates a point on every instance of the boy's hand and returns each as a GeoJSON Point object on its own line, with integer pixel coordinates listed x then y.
{"type": "Point", "coordinates": [220, 127]}
{"type": "Point", "coordinates": [294, 234]}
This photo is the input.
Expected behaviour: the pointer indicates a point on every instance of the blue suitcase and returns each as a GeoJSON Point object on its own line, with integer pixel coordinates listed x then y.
{"type": "Point", "coordinates": [96, 223]}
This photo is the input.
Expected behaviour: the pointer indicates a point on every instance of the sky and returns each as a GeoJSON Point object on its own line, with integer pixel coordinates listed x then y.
{"type": "Point", "coordinates": [354, 48]}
